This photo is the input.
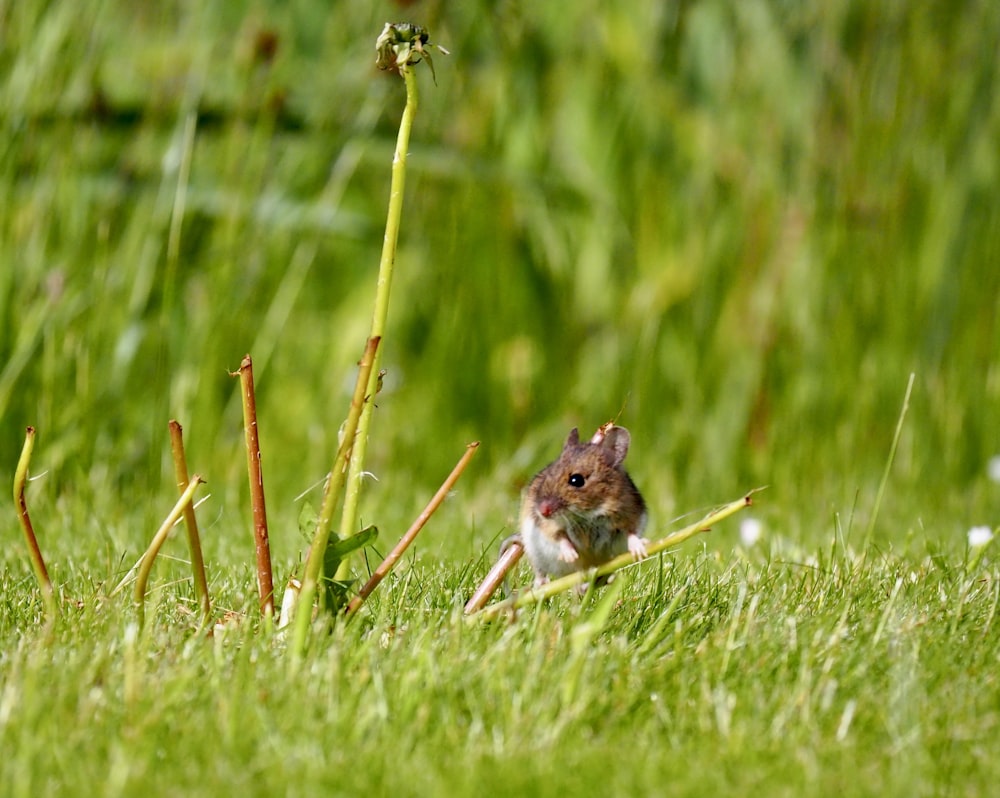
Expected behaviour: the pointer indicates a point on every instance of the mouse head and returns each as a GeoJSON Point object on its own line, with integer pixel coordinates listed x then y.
{"type": "Point", "coordinates": [588, 478]}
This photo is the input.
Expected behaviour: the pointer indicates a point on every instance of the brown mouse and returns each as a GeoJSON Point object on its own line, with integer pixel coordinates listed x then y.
{"type": "Point", "coordinates": [583, 509]}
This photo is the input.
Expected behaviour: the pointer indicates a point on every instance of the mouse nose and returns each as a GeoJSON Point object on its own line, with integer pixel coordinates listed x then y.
{"type": "Point", "coordinates": [548, 507]}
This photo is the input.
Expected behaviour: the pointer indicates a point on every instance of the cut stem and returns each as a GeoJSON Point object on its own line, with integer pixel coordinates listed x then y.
{"type": "Point", "coordinates": [538, 594]}
{"type": "Point", "coordinates": [35, 553]}
{"type": "Point", "coordinates": [507, 560]}
{"type": "Point", "coordinates": [190, 521]}
{"type": "Point", "coordinates": [146, 565]}
{"type": "Point", "coordinates": [349, 518]}
{"type": "Point", "coordinates": [265, 581]}
{"type": "Point", "coordinates": [334, 483]}
{"type": "Point", "coordinates": [404, 542]}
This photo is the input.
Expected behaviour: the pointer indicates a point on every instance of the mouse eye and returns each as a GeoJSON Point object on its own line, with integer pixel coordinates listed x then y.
{"type": "Point", "coordinates": [576, 480]}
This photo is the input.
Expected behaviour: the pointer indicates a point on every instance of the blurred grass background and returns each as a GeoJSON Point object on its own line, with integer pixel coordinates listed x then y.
{"type": "Point", "coordinates": [744, 223]}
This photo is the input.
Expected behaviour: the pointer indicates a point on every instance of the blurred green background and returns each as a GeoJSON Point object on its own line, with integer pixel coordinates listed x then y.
{"type": "Point", "coordinates": [743, 225]}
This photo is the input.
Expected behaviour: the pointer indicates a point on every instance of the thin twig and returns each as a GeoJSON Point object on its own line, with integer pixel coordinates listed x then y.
{"type": "Point", "coordinates": [507, 560]}
{"type": "Point", "coordinates": [265, 581]}
{"type": "Point", "coordinates": [404, 542]}
{"type": "Point", "coordinates": [190, 521]}
{"type": "Point", "coordinates": [538, 594]}
{"type": "Point", "coordinates": [37, 562]}
{"type": "Point", "coordinates": [139, 592]}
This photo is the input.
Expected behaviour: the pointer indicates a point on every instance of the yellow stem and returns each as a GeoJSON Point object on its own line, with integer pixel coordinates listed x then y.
{"type": "Point", "coordinates": [37, 562]}
{"type": "Point", "coordinates": [156, 544]}
{"type": "Point", "coordinates": [538, 594]}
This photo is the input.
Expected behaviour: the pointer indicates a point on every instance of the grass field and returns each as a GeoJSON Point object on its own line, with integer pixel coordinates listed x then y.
{"type": "Point", "coordinates": [740, 226]}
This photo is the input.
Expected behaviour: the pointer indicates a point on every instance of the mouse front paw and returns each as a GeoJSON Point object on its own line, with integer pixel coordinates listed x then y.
{"type": "Point", "coordinates": [567, 551]}
{"type": "Point", "coordinates": [637, 547]}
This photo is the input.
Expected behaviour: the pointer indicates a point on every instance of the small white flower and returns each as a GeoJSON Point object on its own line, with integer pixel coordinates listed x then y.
{"type": "Point", "coordinates": [979, 536]}
{"type": "Point", "coordinates": [993, 468]}
{"type": "Point", "coordinates": [750, 531]}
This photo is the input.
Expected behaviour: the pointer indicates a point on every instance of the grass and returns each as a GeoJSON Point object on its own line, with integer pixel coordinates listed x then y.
{"type": "Point", "coordinates": [767, 671]}
{"type": "Point", "coordinates": [743, 225]}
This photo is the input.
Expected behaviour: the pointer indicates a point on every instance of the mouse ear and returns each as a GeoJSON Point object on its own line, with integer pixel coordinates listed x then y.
{"type": "Point", "coordinates": [615, 443]}
{"type": "Point", "coordinates": [573, 439]}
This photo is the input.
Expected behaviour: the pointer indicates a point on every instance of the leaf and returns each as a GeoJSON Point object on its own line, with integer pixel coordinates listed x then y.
{"type": "Point", "coordinates": [333, 595]}
{"type": "Point", "coordinates": [339, 548]}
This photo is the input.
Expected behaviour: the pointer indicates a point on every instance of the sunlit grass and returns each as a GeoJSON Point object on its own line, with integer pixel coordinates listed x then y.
{"type": "Point", "coordinates": [778, 669]}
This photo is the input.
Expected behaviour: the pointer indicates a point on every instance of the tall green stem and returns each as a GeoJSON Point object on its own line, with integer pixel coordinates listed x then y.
{"type": "Point", "coordinates": [348, 521]}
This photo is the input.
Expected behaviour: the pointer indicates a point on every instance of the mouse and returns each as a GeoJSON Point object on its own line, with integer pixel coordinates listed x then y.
{"type": "Point", "coordinates": [582, 509]}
